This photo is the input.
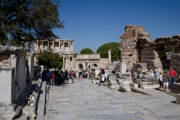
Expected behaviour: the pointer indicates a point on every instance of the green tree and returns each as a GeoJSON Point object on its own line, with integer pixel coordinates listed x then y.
{"type": "Point", "coordinates": [86, 51]}
{"type": "Point", "coordinates": [24, 21]}
{"type": "Point", "coordinates": [169, 48]}
{"type": "Point", "coordinates": [115, 52]}
{"type": "Point", "coordinates": [50, 59]}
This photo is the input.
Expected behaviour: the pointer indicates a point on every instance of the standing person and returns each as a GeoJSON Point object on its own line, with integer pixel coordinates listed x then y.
{"type": "Point", "coordinates": [161, 80]}
{"type": "Point", "coordinates": [83, 74]}
{"type": "Point", "coordinates": [157, 76]}
{"type": "Point", "coordinates": [72, 76]}
{"type": "Point", "coordinates": [151, 75]}
{"type": "Point", "coordinates": [49, 76]}
{"type": "Point", "coordinates": [86, 74]}
{"type": "Point", "coordinates": [77, 74]}
{"type": "Point", "coordinates": [52, 78]}
{"type": "Point", "coordinates": [172, 73]}
{"type": "Point", "coordinates": [166, 80]}
{"type": "Point", "coordinates": [61, 77]}
{"type": "Point", "coordinates": [43, 75]}
{"type": "Point", "coordinates": [102, 76]}
{"type": "Point", "coordinates": [66, 76]}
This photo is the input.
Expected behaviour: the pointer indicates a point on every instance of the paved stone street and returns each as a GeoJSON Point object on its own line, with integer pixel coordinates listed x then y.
{"type": "Point", "coordinates": [86, 101]}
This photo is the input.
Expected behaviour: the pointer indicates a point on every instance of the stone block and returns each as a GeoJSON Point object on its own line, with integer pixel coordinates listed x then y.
{"type": "Point", "coordinates": [148, 85]}
{"type": "Point", "coordinates": [178, 99]}
{"type": "Point", "coordinates": [176, 87]}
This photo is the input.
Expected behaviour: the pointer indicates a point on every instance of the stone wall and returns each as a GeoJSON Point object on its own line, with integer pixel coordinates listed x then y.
{"type": "Point", "coordinates": [175, 62]}
{"type": "Point", "coordinates": [16, 77]}
{"type": "Point", "coordinates": [5, 86]}
{"type": "Point", "coordinates": [137, 48]}
{"type": "Point", "coordinates": [150, 56]}
{"type": "Point", "coordinates": [165, 54]}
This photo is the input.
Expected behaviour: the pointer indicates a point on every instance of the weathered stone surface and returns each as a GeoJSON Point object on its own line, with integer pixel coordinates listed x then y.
{"type": "Point", "coordinates": [6, 112]}
{"type": "Point", "coordinates": [178, 99]}
{"type": "Point", "coordinates": [176, 87]}
{"type": "Point", "coordinates": [86, 101]}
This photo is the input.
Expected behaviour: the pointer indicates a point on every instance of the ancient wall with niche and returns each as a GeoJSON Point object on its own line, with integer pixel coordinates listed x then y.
{"type": "Point", "coordinates": [137, 47]}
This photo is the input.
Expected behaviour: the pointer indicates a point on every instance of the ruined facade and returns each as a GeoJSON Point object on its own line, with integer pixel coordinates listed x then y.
{"type": "Point", "coordinates": [138, 50]}
{"type": "Point", "coordinates": [63, 47]}
{"type": "Point", "coordinates": [169, 58]}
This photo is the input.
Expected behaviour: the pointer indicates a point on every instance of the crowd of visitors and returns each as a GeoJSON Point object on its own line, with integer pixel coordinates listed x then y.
{"type": "Point", "coordinates": [165, 79]}
{"type": "Point", "coordinates": [57, 77]}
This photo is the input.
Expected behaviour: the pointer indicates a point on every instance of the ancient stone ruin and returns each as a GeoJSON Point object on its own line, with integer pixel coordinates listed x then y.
{"type": "Point", "coordinates": [138, 50]}
{"type": "Point", "coordinates": [169, 58]}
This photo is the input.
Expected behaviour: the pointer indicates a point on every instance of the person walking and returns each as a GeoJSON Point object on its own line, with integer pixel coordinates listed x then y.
{"type": "Point", "coordinates": [166, 80]}
{"type": "Point", "coordinates": [52, 78]}
{"type": "Point", "coordinates": [172, 73]}
{"type": "Point", "coordinates": [72, 76]}
{"type": "Point", "coordinates": [157, 76]}
{"type": "Point", "coordinates": [66, 76]}
{"type": "Point", "coordinates": [49, 76]}
{"type": "Point", "coordinates": [161, 80]}
{"type": "Point", "coordinates": [151, 75]}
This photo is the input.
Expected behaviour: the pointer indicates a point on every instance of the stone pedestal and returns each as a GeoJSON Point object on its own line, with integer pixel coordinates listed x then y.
{"type": "Point", "coordinates": [178, 99]}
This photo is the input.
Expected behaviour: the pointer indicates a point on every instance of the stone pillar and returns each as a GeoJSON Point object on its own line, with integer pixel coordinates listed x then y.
{"type": "Point", "coordinates": [109, 55]}
{"type": "Point", "coordinates": [123, 67]}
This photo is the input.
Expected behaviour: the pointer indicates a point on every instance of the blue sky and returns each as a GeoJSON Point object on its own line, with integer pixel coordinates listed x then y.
{"type": "Point", "coordinates": [91, 23]}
